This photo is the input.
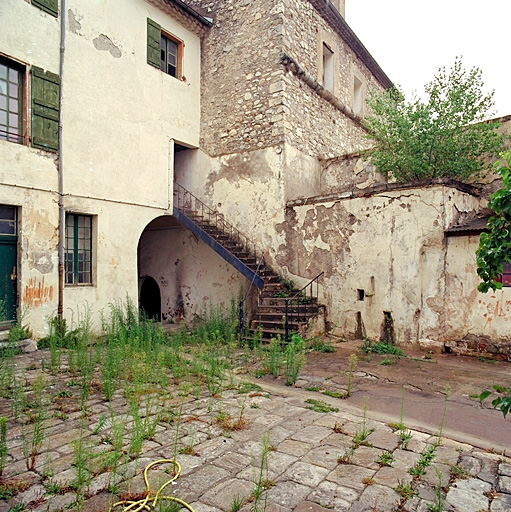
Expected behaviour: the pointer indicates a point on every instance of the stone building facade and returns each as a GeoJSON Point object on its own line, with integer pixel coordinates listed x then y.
{"type": "Point", "coordinates": [261, 118]}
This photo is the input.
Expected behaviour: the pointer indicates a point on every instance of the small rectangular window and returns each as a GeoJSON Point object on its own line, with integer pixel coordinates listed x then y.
{"type": "Point", "coordinates": [358, 97]}
{"type": "Point", "coordinates": [328, 68]}
{"type": "Point", "coordinates": [163, 50]}
{"type": "Point", "coordinates": [8, 220]}
{"type": "Point", "coordinates": [11, 101]}
{"type": "Point", "coordinates": [78, 249]}
{"type": "Point", "coordinates": [49, 6]}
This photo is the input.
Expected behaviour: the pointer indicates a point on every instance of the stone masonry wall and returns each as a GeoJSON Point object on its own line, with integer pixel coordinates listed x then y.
{"type": "Point", "coordinates": [240, 75]}
{"type": "Point", "coordinates": [250, 101]}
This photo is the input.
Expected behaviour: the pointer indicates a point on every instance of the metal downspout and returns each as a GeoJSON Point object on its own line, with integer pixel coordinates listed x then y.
{"type": "Point", "coordinates": [60, 166]}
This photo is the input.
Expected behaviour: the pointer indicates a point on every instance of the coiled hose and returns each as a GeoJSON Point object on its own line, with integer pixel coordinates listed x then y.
{"type": "Point", "coordinates": [149, 503]}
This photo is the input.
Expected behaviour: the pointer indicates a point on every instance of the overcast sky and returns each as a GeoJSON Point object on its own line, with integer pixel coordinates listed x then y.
{"type": "Point", "coordinates": [412, 39]}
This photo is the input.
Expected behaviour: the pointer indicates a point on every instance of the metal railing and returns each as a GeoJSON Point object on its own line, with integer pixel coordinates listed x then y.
{"type": "Point", "coordinates": [242, 302]}
{"type": "Point", "coordinates": [194, 209]}
{"type": "Point", "coordinates": [301, 303]}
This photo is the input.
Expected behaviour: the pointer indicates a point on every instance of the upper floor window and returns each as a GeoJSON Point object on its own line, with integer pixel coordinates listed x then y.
{"type": "Point", "coordinates": [328, 68]}
{"type": "Point", "coordinates": [11, 101]}
{"type": "Point", "coordinates": [358, 96]}
{"type": "Point", "coordinates": [163, 50]}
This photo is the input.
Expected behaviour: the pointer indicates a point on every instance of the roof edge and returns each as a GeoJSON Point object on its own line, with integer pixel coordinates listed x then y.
{"type": "Point", "coordinates": [208, 22]}
{"type": "Point", "coordinates": [332, 16]}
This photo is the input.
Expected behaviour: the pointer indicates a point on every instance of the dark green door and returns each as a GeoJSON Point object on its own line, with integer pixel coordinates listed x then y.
{"type": "Point", "coordinates": [8, 264]}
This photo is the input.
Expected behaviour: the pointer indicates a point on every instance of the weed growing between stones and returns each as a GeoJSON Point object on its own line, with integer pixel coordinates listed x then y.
{"type": "Point", "coordinates": [3, 444]}
{"type": "Point", "coordinates": [319, 406]}
{"type": "Point", "coordinates": [363, 433]}
{"type": "Point", "coordinates": [259, 498]}
{"type": "Point", "coordinates": [444, 415]}
{"type": "Point", "coordinates": [439, 504]}
{"type": "Point", "coordinates": [385, 459]}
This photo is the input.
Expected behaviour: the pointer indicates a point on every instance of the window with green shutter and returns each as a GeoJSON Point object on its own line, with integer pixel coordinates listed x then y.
{"type": "Point", "coordinates": [45, 109]}
{"type": "Point", "coordinates": [49, 6]}
{"type": "Point", "coordinates": [153, 43]}
{"type": "Point", "coordinates": [163, 50]}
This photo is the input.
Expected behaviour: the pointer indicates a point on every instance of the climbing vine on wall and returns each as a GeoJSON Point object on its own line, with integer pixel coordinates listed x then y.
{"type": "Point", "coordinates": [495, 245]}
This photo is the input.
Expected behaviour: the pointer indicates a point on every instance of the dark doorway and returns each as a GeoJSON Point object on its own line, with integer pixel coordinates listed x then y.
{"type": "Point", "coordinates": [8, 265]}
{"type": "Point", "coordinates": [150, 299]}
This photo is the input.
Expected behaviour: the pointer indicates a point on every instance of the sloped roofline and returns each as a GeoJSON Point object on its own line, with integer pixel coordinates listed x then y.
{"type": "Point", "coordinates": [208, 22]}
{"type": "Point", "coordinates": [338, 23]}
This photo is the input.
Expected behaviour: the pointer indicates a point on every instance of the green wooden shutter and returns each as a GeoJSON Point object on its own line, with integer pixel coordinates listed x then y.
{"type": "Point", "coordinates": [45, 109]}
{"type": "Point", "coordinates": [153, 43]}
{"type": "Point", "coordinates": [49, 6]}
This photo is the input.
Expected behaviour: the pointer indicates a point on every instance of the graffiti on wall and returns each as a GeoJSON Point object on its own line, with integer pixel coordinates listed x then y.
{"type": "Point", "coordinates": [36, 292]}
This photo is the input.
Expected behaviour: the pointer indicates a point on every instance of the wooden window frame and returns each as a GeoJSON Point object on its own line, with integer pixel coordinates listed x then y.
{"type": "Point", "coordinates": [75, 256]}
{"type": "Point", "coordinates": [179, 55]}
{"type": "Point", "coordinates": [20, 136]}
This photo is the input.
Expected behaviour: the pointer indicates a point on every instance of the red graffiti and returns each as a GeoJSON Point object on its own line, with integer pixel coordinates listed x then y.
{"type": "Point", "coordinates": [36, 293]}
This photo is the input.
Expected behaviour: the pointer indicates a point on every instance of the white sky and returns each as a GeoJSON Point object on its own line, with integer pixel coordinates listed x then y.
{"type": "Point", "coordinates": [412, 39]}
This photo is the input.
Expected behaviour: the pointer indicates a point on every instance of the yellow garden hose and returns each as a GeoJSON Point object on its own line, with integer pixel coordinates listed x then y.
{"type": "Point", "coordinates": [149, 503]}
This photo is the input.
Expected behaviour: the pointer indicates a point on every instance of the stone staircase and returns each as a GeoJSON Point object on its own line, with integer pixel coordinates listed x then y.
{"type": "Point", "coordinates": [276, 295]}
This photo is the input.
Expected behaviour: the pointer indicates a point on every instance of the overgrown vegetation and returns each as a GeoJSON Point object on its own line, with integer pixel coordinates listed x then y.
{"type": "Point", "coordinates": [445, 135]}
{"type": "Point", "coordinates": [495, 245]}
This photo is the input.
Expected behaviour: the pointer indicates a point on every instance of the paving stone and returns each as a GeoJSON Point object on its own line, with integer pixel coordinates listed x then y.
{"type": "Point", "coordinates": [366, 456]}
{"type": "Point", "coordinates": [470, 464]}
{"type": "Point", "coordinates": [222, 495]}
{"type": "Point", "coordinates": [324, 456]}
{"type": "Point", "coordinates": [501, 503]}
{"type": "Point", "coordinates": [333, 496]}
{"type": "Point", "coordinates": [348, 475]}
{"type": "Point", "coordinates": [292, 447]}
{"type": "Point", "coordinates": [309, 506]}
{"type": "Point", "coordinates": [404, 459]}
{"type": "Point", "coordinates": [504, 469]}
{"type": "Point", "coordinates": [384, 439]}
{"type": "Point", "coordinates": [98, 503]}
{"type": "Point", "coordinates": [446, 455]}
{"type": "Point", "coordinates": [391, 477]}
{"type": "Point", "coordinates": [199, 482]}
{"type": "Point", "coordinates": [58, 502]}
{"type": "Point", "coordinates": [505, 484]}
{"type": "Point", "coordinates": [34, 493]}
{"type": "Point", "coordinates": [303, 473]}
{"type": "Point", "coordinates": [233, 462]}
{"type": "Point", "coordinates": [312, 434]}
{"type": "Point", "coordinates": [212, 448]}
{"type": "Point", "coordinates": [337, 439]}
{"type": "Point", "coordinates": [278, 463]}
{"type": "Point", "coordinates": [63, 442]}
{"type": "Point", "coordinates": [490, 463]}
{"type": "Point", "coordinates": [380, 497]}
{"type": "Point", "coordinates": [431, 475]}
{"type": "Point", "coordinates": [202, 507]}
{"type": "Point", "coordinates": [467, 495]}
{"type": "Point", "coordinates": [288, 494]}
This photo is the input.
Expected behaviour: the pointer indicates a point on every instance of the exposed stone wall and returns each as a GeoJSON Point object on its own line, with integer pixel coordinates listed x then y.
{"type": "Point", "coordinates": [249, 100]}
{"type": "Point", "coordinates": [240, 75]}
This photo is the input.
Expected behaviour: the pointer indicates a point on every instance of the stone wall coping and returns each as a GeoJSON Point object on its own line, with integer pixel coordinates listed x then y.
{"type": "Point", "coordinates": [385, 187]}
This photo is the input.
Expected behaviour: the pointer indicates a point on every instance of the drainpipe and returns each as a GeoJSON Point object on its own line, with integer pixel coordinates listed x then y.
{"type": "Point", "coordinates": [60, 166]}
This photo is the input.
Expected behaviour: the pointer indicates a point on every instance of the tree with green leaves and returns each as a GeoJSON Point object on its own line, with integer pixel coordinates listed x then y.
{"type": "Point", "coordinates": [495, 244]}
{"type": "Point", "coordinates": [444, 136]}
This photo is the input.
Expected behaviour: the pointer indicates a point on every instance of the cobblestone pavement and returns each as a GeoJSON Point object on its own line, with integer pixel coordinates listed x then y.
{"type": "Point", "coordinates": [330, 460]}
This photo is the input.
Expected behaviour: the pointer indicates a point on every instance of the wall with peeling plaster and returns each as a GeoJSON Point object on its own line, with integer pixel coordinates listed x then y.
{"type": "Point", "coordinates": [390, 245]}
{"type": "Point", "coordinates": [191, 276]}
{"type": "Point", "coordinates": [120, 118]}
{"type": "Point", "coordinates": [479, 322]}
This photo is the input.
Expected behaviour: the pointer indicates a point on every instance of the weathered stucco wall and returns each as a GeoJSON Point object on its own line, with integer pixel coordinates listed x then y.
{"type": "Point", "coordinates": [390, 245]}
{"type": "Point", "coordinates": [120, 117]}
{"type": "Point", "coordinates": [478, 322]}
{"type": "Point", "coordinates": [190, 274]}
